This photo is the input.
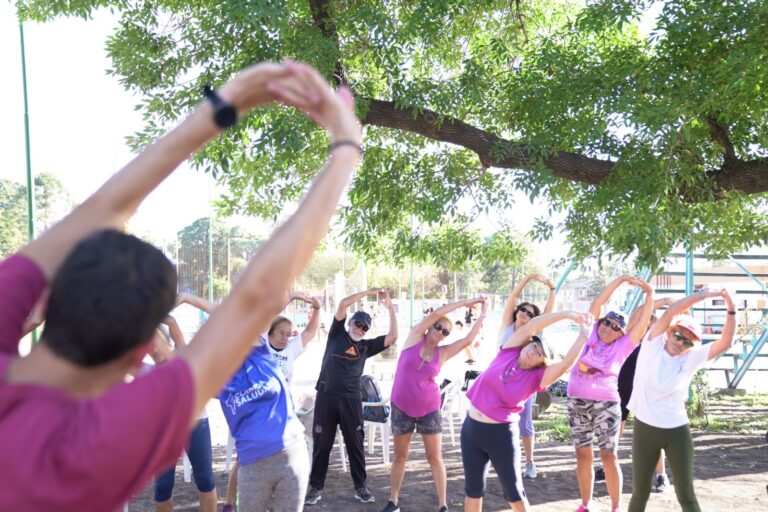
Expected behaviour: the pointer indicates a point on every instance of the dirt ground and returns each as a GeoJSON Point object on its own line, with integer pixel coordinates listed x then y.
{"type": "Point", "coordinates": [731, 474]}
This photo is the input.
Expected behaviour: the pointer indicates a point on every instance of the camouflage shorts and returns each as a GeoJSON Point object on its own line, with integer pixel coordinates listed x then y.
{"type": "Point", "coordinates": [402, 424]}
{"type": "Point", "coordinates": [594, 418]}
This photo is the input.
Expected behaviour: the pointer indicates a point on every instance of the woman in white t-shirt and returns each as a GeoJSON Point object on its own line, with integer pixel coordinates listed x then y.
{"type": "Point", "coordinates": [285, 347]}
{"type": "Point", "coordinates": [669, 357]}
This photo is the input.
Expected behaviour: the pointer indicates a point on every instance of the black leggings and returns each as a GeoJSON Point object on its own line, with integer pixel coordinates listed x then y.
{"type": "Point", "coordinates": [496, 443]}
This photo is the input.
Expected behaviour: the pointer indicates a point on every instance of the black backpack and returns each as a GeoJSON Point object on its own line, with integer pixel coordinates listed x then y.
{"type": "Point", "coordinates": [372, 393]}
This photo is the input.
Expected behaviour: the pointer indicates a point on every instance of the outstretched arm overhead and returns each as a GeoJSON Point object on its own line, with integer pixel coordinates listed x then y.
{"type": "Point", "coordinates": [310, 330]}
{"type": "Point", "coordinates": [223, 342]}
{"type": "Point", "coordinates": [112, 204]}
{"type": "Point", "coordinates": [509, 307]}
{"type": "Point", "coordinates": [551, 298]}
{"type": "Point", "coordinates": [679, 307]}
{"type": "Point", "coordinates": [726, 338]}
{"type": "Point", "coordinates": [195, 301]}
{"type": "Point", "coordinates": [597, 305]}
{"type": "Point", "coordinates": [539, 323]}
{"type": "Point", "coordinates": [341, 311]}
{"type": "Point", "coordinates": [417, 332]}
{"type": "Point", "coordinates": [556, 370]}
{"type": "Point", "coordinates": [638, 324]}
{"type": "Point", "coordinates": [457, 346]}
{"type": "Point", "coordinates": [175, 332]}
{"type": "Point", "coordinates": [386, 301]}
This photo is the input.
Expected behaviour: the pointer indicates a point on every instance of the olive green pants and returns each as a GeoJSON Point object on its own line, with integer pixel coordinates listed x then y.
{"type": "Point", "coordinates": [647, 443]}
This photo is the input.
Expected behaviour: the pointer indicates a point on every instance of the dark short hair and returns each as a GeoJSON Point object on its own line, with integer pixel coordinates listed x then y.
{"type": "Point", "coordinates": [107, 298]}
{"type": "Point", "coordinates": [521, 306]}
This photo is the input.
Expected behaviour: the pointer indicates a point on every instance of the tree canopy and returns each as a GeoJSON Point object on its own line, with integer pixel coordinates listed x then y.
{"type": "Point", "coordinates": [639, 141]}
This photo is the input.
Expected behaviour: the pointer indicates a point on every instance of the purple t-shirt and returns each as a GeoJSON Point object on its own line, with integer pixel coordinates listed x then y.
{"type": "Point", "coordinates": [68, 454]}
{"type": "Point", "coordinates": [415, 391]}
{"type": "Point", "coordinates": [501, 391]}
{"type": "Point", "coordinates": [596, 374]}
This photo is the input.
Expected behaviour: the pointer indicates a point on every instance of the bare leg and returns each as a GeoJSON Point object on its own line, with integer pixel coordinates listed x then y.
{"type": "Point", "coordinates": [612, 476]}
{"type": "Point", "coordinates": [232, 484]}
{"type": "Point", "coordinates": [660, 470]}
{"type": "Point", "coordinates": [164, 506]}
{"type": "Point", "coordinates": [433, 449]}
{"type": "Point", "coordinates": [528, 448]}
{"type": "Point", "coordinates": [621, 427]}
{"type": "Point", "coordinates": [208, 501]}
{"type": "Point", "coordinates": [473, 504]}
{"type": "Point", "coordinates": [519, 506]}
{"type": "Point", "coordinates": [402, 447]}
{"type": "Point", "coordinates": [585, 474]}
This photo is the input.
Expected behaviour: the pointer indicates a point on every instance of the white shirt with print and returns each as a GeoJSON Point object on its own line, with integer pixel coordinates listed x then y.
{"type": "Point", "coordinates": [286, 357]}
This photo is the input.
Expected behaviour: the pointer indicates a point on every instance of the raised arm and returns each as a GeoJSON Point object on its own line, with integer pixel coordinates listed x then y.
{"type": "Point", "coordinates": [679, 307]}
{"type": "Point", "coordinates": [175, 332]}
{"type": "Point", "coordinates": [310, 330]}
{"type": "Point", "coordinates": [538, 324]}
{"type": "Point", "coordinates": [112, 204]}
{"type": "Point", "coordinates": [638, 324]}
{"type": "Point", "coordinates": [346, 302]}
{"type": "Point", "coordinates": [448, 351]}
{"type": "Point", "coordinates": [726, 338]}
{"type": "Point", "coordinates": [196, 302]}
{"type": "Point", "coordinates": [226, 338]}
{"type": "Point", "coordinates": [551, 298]}
{"type": "Point", "coordinates": [597, 305]}
{"type": "Point", "coordinates": [556, 370]}
{"type": "Point", "coordinates": [417, 332]}
{"type": "Point", "coordinates": [386, 301]}
{"type": "Point", "coordinates": [509, 307]}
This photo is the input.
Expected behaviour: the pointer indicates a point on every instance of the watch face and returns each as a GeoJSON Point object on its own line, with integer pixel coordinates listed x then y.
{"type": "Point", "coordinates": [225, 116]}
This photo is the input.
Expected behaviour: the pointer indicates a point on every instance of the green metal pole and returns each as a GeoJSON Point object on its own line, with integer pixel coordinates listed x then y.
{"type": "Point", "coordinates": [30, 180]}
{"type": "Point", "coordinates": [210, 243]}
{"type": "Point", "coordinates": [688, 269]}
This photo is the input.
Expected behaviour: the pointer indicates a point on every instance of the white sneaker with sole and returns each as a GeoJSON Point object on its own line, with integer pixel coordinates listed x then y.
{"type": "Point", "coordinates": [530, 470]}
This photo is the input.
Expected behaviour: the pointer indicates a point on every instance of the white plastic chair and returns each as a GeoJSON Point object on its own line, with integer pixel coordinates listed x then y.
{"type": "Point", "coordinates": [230, 450]}
{"type": "Point", "coordinates": [382, 427]}
{"type": "Point", "coordinates": [452, 397]}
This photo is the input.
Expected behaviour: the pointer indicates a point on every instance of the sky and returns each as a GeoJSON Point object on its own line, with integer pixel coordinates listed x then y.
{"type": "Point", "coordinates": [80, 116]}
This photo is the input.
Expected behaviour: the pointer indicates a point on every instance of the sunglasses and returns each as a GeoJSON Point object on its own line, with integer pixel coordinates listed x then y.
{"type": "Point", "coordinates": [682, 339]}
{"type": "Point", "coordinates": [528, 312]}
{"type": "Point", "coordinates": [439, 328]}
{"type": "Point", "coordinates": [614, 327]}
{"type": "Point", "coordinates": [361, 325]}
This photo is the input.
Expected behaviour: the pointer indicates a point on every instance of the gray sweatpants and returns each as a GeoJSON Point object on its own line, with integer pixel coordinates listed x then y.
{"type": "Point", "coordinates": [280, 479]}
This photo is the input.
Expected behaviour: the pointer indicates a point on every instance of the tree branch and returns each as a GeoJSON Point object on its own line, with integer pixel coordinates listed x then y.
{"type": "Point", "coordinates": [322, 19]}
{"type": "Point", "coordinates": [750, 177]}
{"type": "Point", "coordinates": [720, 134]}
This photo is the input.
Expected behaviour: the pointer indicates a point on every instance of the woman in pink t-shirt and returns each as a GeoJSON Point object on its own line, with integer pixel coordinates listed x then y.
{"type": "Point", "coordinates": [416, 395]}
{"type": "Point", "coordinates": [594, 404]}
{"type": "Point", "coordinates": [490, 432]}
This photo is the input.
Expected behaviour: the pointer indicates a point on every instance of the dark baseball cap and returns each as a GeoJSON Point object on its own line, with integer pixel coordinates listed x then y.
{"type": "Point", "coordinates": [361, 316]}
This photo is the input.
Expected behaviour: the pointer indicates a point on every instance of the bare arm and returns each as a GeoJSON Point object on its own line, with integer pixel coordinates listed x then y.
{"type": "Point", "coordinates": [677, 308]}
{"type": "Point", "coordinates": [418, 330]}
{"type": "Point", "coordinates": [196, 302]}
{"type": "Point", "coordinates": [597, 305]}
{"type": "Point", "coordinates": [538, 324]}
{"type": "Point", "coordinates": [551, 298]}
{"type": "Point", "coordinates": [386, 301]}
{"type": "Point", "coordinates": [223, 342]}
{"type": "Point", "coordinates": [509, 307]}
{"type": "Point", "coordinates": [726, 338]}
{"type": "Point", "coordinates": [556, 370]}
{"type": "Point", "coordinates": [112, 204]}
{"type": "Point", "coordinates": [637, 328]}
{"type": "Point", "coordinates": [175, 331]}
{"type": "Point", "coordinates": [310, 330]}
{"type": "Point", "coordinates": [448, 351]}
{"type": "Point", "coordinates": [346, 302]}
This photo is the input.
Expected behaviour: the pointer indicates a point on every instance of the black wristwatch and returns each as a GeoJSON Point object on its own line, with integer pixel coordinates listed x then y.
{"type": "Point", "coordinates": [224, 114]}
{"type": "Point", "coordinates": [731, 312]}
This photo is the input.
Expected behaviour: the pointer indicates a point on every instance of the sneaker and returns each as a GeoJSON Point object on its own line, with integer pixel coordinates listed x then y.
{"type": "Point", "coordinates": [364, 495]}
{"type": "Point", "coordinates": [390, 507]}
{"type": "Point", "coordinates": [313, 496]}
{"type": "Point", "coordinates": [581, 508]}
{"type": "Point", "coordinates": [530, 470]}
{"type": "Point", "coordinates": [599, 475]}
{"type": "Point", "coordinates": [228, 508]}
{"type": "Point", "coordinates": [660, 483]}
{"type": "Point", "coordinates": [443, 509]}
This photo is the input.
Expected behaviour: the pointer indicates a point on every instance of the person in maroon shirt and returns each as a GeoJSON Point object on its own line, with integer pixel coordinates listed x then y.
{"type": "Point", "coordinates": [73, 435]}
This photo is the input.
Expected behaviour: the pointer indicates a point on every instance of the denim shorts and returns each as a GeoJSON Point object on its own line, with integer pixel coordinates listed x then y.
{"type": "Point", "coordinates": [402, 424]}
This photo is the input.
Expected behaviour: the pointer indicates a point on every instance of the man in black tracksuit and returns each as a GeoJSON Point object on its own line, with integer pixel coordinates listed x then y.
{"type": "Point", "coordinates": [339, 392]}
